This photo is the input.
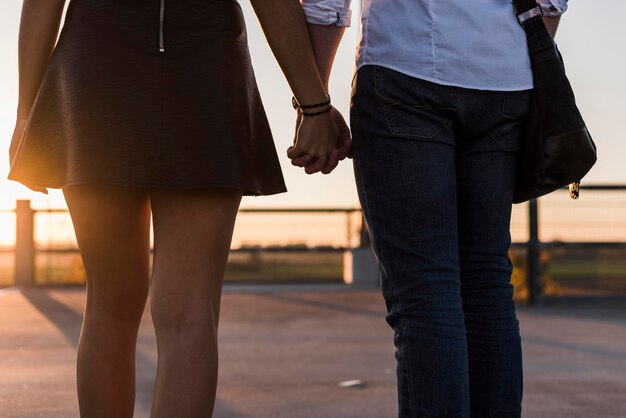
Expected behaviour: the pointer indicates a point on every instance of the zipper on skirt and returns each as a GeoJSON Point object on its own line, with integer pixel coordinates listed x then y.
{"type": "Point", "coordinates": [161, 18]}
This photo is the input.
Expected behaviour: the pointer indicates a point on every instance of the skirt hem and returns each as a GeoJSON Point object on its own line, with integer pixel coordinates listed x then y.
{"type": "Point", "coordinates": [247, 190]}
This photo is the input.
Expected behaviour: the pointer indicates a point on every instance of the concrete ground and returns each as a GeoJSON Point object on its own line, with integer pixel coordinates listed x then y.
{"type": "Point", "coordinates": [283, 352]}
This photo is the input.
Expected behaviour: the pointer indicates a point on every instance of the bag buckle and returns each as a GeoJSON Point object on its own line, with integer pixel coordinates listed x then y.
{"type": "Point", "coordinates": [574, 190]}
{"type": "Point", "coordinates": [529, 14]}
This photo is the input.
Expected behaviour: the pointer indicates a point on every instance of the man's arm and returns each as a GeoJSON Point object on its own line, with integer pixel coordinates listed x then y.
{"type": "Point", "coordinates": [552, 23]}
{"type": "Point", "coordinates": [327, 20]}
{"type": "Point", "coordinates": [325, 41]}
{"type": "Point", "coordinates": [552, 11]}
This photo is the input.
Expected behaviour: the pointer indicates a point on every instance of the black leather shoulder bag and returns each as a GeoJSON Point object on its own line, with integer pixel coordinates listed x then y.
{"type": "Point", "coordinates": [557, 148]}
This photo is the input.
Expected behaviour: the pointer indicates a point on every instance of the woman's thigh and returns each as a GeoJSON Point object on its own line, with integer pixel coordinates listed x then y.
{"type": "Point", "coordinates": [112, 226]}
{"type": "Point", "coordinates": [192, 236]}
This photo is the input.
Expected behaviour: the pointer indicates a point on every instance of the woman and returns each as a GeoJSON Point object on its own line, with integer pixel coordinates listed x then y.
{"type": "Point", "coordinates": [150, 108]}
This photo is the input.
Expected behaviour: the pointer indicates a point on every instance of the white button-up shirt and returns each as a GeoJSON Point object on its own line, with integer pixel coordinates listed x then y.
{"type": "Point", "coordinates": [475, 44]}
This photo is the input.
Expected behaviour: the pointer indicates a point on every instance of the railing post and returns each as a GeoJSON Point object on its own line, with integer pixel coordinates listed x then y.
{"type": "Point", "coordinates": [365, 241]}
{"type": "Point", "coordinates": [24, 244]}
{"type": "Point", "coordinates": [349, 216]}
{"type": "Point", "coordinates": [533, 262]}
{"type": "Point", "coordinates": [360, 269]}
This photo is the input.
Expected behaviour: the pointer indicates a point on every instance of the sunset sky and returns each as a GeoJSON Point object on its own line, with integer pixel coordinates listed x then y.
{"type": "Point", "coordinates": [590, 37]}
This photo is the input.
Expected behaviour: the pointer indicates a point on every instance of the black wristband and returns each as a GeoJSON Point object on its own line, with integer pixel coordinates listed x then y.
{"type": "Point", "coordinates": [297, 105]}
{"type": "Point", "coordinates": [317, 113]}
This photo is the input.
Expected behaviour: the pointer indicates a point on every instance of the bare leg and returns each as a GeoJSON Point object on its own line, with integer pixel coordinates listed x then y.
{"type": "Point", "coordinates": [192, 236]}
{"type": "Point", "coordinates": [112, 227]}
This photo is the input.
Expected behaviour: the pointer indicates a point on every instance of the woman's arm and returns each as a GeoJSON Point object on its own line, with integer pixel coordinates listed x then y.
{"type": "Point", "coordinates": [39, 28]}
{"type": "Point", "coordinates": [284, 26]}
{"type": "Point", "coordinates": [325, 41]}
{"type": "Point", "coordinates": [327, 21]}
{"type": "Point", "coordinates": [286, 32]}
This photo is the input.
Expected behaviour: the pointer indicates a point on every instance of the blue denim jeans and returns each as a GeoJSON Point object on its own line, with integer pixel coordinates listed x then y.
{"type": "Point", "coordinates": [435, 169]}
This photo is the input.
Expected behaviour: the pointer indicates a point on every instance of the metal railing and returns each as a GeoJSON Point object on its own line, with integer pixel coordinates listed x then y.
{"type": "Point", "coordinates": [599, 223]}
{"type": "Point", "coordinates": [544, 219]}
{"type": "Point", "coordinates": [27, 247]}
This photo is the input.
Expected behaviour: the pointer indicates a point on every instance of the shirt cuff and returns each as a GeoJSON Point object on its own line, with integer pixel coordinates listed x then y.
{"type": "Point", "coordinates": [319, 15]}
{"type": "Point", "coordinates": [553, 8]}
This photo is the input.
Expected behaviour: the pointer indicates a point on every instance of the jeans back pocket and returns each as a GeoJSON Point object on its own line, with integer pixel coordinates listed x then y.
{"type": "Point", "coordinates": [508, 133]}
{"type": "Point", "coordinates": [414, 107]}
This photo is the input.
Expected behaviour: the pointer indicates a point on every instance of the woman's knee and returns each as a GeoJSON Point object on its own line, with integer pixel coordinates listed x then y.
{"type": "Point", "coordinates": [123, 305]}
{"type": "Point", "coordinates": [175, 315]}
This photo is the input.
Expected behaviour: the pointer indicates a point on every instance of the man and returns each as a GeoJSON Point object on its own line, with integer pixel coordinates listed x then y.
{"type": "Point", "coordinates": [439, 99]}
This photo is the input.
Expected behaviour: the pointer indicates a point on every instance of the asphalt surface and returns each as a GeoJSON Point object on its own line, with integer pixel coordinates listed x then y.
{"type": "Point", "coordinates": [283, 352]}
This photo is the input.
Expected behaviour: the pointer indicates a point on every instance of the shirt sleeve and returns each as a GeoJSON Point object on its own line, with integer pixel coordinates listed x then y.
{"type": "Point", "coordinates": [328, 12]}
{"type": "Point", "coordinates": [553, 8]}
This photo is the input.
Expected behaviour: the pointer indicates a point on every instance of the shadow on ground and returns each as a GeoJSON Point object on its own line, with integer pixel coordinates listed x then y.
{"type": "Point", "coordinates": [284, 350]}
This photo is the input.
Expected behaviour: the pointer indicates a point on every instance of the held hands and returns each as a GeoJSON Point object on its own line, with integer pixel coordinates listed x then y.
{"type": "Point", "coordinates": [320, 142]}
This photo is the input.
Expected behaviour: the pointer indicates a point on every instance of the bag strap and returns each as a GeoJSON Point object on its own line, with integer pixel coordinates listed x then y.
{"type": "Point", "coordinates": [530, 16]}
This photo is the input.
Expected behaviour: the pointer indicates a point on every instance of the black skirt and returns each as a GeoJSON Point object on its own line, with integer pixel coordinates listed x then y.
{"type": "Point", "coordinates": [153, 93]}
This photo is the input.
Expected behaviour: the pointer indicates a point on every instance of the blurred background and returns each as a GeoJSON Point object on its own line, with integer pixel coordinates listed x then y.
{"type": "Point", "coordinates": [582, 251]}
